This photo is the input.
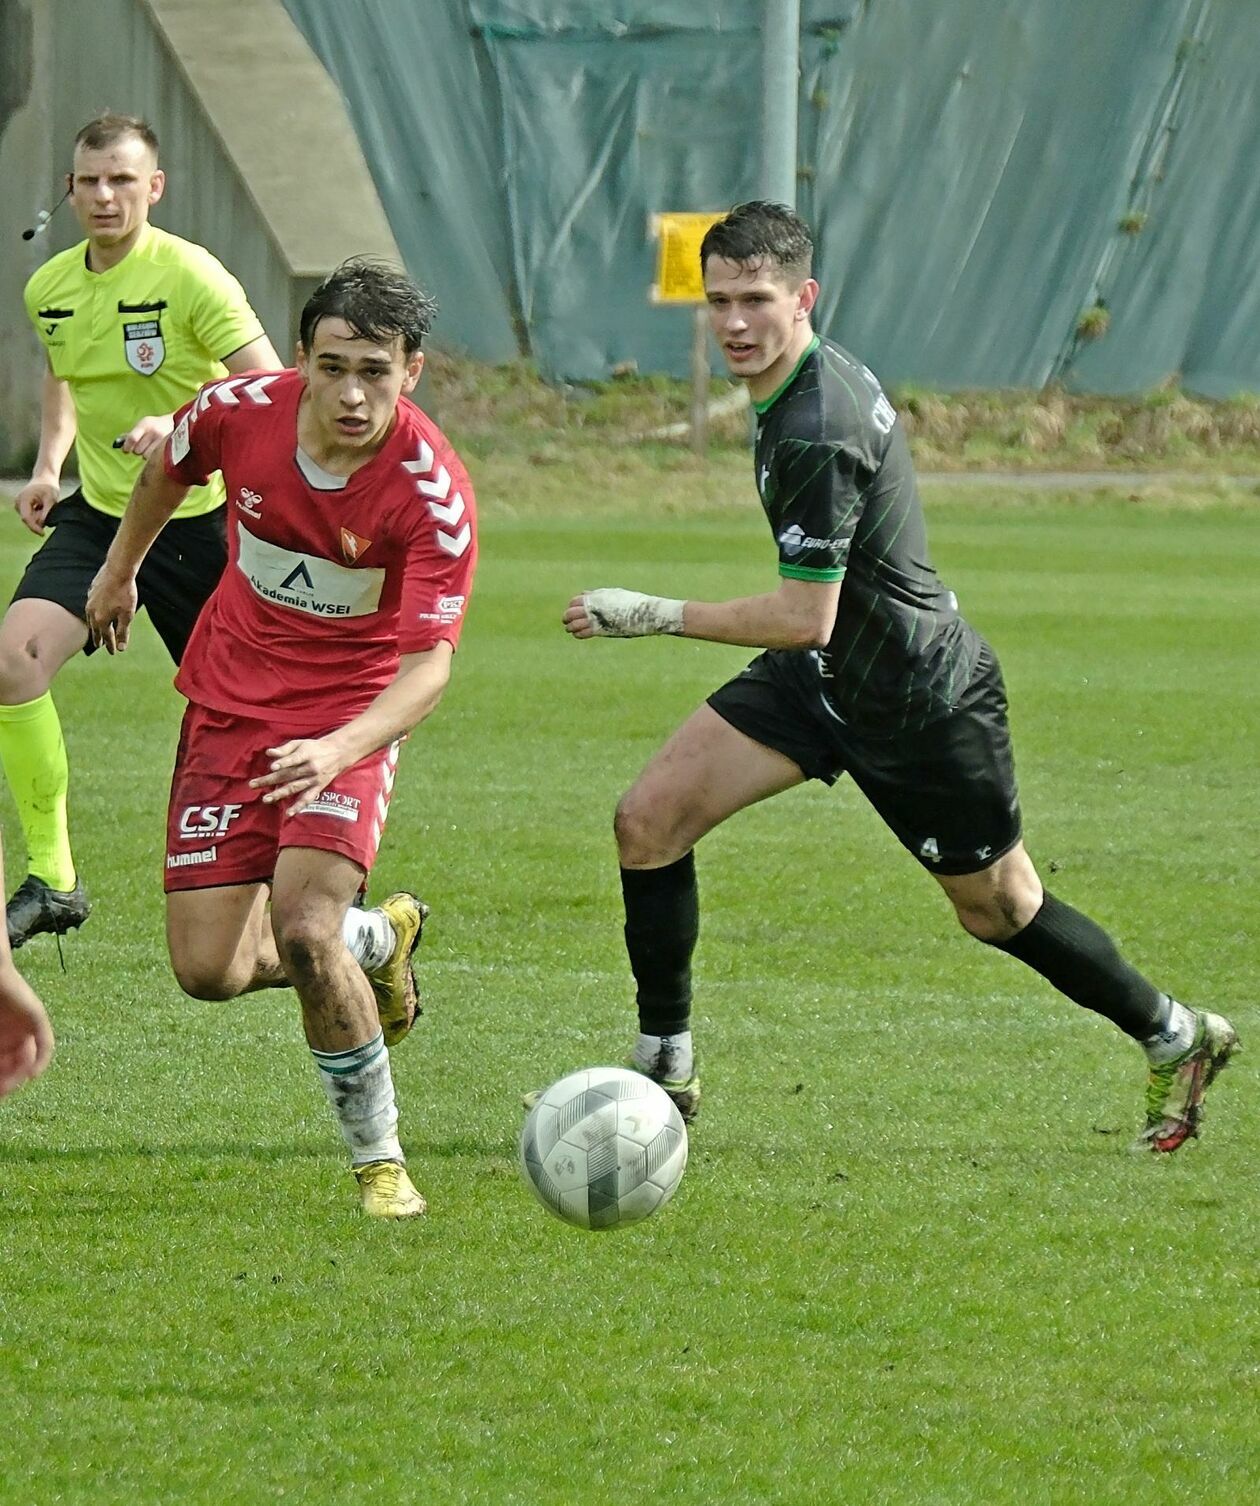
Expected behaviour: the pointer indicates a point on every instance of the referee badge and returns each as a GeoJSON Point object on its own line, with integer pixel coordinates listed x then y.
{"type": "Point", "coordinates": [142, 338]}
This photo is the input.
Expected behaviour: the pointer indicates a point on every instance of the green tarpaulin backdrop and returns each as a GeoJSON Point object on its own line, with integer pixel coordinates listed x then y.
{"type": "Point", "coordinates": [979, 173]}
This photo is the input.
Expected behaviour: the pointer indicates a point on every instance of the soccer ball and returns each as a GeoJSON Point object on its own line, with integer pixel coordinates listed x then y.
{"type": "Point", "coordinates": [603, 1147]}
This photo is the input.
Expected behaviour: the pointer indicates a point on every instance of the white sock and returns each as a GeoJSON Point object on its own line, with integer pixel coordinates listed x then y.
{"type": "Point", "coordinates": [360, 1088]}
{"type": "Point", "coordinates": [665, 1056]}
{"type": "Point", "coordinates": [369, 936]}
{"type": "Point", "coordinates": [1175, 1039]}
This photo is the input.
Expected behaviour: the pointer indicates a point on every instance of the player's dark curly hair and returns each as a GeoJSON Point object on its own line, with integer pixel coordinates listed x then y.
{"type": "Point", "coordinates": [762, 231]}
{"type": "Point", "coordinates": [375, 299]}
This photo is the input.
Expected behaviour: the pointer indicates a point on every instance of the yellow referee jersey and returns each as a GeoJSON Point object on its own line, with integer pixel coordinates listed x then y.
{"type": "Point", "coordinates": [140, 338]}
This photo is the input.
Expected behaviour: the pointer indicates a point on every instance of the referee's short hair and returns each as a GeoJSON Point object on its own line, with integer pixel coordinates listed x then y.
{"type": "Point", "coordinates": [377, 301]}
{"type": "Point", "coordinates": [762, 231]}
{"type": "Point", "coordinates": [109, 127]}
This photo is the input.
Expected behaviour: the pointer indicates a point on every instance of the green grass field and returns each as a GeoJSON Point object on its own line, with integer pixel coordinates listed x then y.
{"type": "Point", "coordinates": [911, 1261]}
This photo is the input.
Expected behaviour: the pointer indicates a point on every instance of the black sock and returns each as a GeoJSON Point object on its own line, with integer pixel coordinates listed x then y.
{"type": "Point", "coordinates": [662, 925]}
{"type": "Point", "coordinates": [1078, 957]}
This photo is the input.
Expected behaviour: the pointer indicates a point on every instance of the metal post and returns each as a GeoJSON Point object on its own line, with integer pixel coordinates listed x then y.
{"type": "Point", "coordinates": [700, 379]}
{"type": "Point", "coordinates": [780, 88]}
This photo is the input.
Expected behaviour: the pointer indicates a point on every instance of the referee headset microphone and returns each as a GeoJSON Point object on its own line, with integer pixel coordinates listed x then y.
{"type": "Point", "coordinates": [43, 217]}
{"type": "Point", "coordinates": [38, 228]}
{"type": "Point", "coordinates": [41, 224]}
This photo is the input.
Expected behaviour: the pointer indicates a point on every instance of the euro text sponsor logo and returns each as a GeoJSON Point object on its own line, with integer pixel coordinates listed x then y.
{"type": "Point", "coordinates": [794, 540]}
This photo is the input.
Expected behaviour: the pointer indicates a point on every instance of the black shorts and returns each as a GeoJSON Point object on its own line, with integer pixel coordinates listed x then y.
{"type": "Point", "coordinates": [179, 572]}
{"type": "Point", "coordinates": [947, 791]}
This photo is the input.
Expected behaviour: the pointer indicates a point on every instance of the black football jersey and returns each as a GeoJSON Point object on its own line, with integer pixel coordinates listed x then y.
{"type": "Point", "coordinates": [837, 484]}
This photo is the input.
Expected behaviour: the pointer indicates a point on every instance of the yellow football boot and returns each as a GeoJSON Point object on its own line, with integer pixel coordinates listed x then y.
{"type": "Point", "coordinates": [386, 1191]}
{"type": "Point", "coordinates": [394, 982]}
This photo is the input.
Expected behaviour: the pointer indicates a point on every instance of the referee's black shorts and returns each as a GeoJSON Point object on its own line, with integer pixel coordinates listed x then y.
{"type": "Point", "coordinates": [947, 790]}
{"type": "Point", "coordinates": [179, 572]}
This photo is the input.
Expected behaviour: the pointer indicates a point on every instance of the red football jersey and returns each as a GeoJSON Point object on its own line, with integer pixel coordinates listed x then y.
{"type": "Point", "coordinates": [326, 584]}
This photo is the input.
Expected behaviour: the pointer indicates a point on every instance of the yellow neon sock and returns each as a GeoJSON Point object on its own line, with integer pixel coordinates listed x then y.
{"type": "Point", "coordinates": [33, 753]}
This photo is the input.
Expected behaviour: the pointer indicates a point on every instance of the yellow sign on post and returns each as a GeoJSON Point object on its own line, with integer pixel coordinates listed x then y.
{"type": "Point", "coordinates": [679, 280]}
{"type": "Point", "coordinates": [678, 238]}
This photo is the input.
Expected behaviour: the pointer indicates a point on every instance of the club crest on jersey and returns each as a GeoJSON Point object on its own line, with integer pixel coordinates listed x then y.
{"type": "Point", "coordinates": [353, 545]}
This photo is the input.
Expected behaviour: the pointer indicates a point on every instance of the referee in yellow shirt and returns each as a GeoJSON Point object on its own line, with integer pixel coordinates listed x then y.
{"type": "Point", "coordinates": [133, 321]}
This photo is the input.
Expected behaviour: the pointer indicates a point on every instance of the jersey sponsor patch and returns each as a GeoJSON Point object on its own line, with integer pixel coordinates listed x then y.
{"type": "Point", "coordinates": [883, 415]}
{"type": "Point", "coordinates": [197, 822]}
{"type": "Point", "coordinates": [447, 609]}
{"type": "Point", "coordinates": [306, 582]}
{"type": "Point", "coordinates": [179, 440]}
{"type": "Point", "coordinates": [333, 803]}
{"type": "Point", "coordinates": [794, 540]}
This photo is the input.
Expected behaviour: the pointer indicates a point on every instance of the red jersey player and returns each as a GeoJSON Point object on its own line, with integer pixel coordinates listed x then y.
{"type": "Point", "coordinates": [352, 543]}
{"type": "Point", "coordinates": [26, 1034]}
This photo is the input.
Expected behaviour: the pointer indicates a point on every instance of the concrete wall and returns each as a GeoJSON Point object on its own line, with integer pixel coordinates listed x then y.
{"type": "Point", "coordinates": [262, 165]}
{"type": "Point", "coordinates": [26, 166]}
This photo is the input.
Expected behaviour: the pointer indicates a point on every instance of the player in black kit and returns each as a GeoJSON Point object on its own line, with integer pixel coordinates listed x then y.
{"type": "Point", "coordinates": [868, 669]}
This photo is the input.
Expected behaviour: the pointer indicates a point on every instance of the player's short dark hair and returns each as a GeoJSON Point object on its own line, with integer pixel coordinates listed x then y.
{"type": "Point", "coordinates": [760, 231]}
{"type": "Point", "coordinates": [110, 127]}
{"type": "Point", "coordinates": [376, 300]}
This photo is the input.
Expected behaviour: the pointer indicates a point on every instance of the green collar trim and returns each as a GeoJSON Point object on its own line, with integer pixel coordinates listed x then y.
{"type": "Point", "coordinates": [783, 387]}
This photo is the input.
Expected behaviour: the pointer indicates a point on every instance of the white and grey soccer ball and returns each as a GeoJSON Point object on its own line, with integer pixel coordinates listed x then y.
{"type": "Point", "coordinates": [603, 1147]}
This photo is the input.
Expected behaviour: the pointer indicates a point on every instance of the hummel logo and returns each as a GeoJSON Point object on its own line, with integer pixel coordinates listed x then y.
{"type": "Point", "coordinates": [436, 486]}
{"type": "Point", "coordinates": [249, 502]}
{"type": "Point", "coordinates": [454, 543]}
{"type": "Point", "coordinates": [423, 463]}
{"type": "Point", "coordinates": [448, 512]}
{"type": "Point", "coordinates": [225, 392]}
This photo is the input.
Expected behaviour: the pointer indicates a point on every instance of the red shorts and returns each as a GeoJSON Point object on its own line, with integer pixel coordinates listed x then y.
{"type": "Point", "coordinates": [219, 831]}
